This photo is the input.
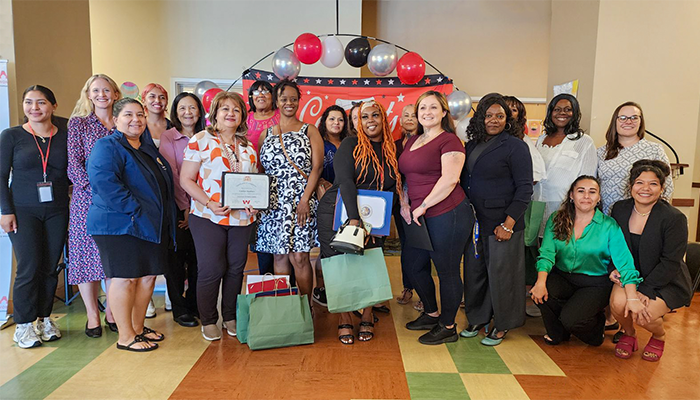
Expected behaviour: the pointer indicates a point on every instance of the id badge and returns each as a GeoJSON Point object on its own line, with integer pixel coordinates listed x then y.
{"type": "Point", "coordinates": [45, 191]}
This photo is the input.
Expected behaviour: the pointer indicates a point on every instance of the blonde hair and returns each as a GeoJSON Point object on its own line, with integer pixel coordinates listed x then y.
{"type": "Point", "coordinates": [84, 106]}
{"type": "Point", "coordinates": [218, 101]}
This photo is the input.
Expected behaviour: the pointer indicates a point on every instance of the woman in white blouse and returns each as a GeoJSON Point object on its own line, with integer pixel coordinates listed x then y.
{"type": "Point", "coordinates": [626, 145]}
{"type": "Point", "coordinates": [567, 152]}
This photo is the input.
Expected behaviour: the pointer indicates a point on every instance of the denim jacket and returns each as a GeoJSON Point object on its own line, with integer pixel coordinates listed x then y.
{"type": "Point", "coordinates": [126, 199]}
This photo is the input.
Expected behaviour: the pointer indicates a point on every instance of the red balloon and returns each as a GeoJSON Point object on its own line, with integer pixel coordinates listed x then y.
{"type": "Point", "coordinates": [410, 68]}
{"type": "Point", "coordinates": [308, 48]}
{"type": "Point", "coordinates": [208, 97]}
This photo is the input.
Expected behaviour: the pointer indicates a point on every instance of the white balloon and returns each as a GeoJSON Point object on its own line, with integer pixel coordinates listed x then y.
{"type": "Point", "coordinates": [333, 52]}
{"type": "Point", "coordinates": [461, 128]}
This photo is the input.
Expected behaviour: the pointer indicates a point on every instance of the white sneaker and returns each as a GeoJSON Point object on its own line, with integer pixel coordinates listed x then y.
{"type": "Point", "coordinates": [151, 311]}
{"type": "Point", "coordinates": [230, 327]}
{"type": "Point", "coordinates": [211, 332]}
{"type": "Point", "coordinates": [47, 330]}
{"type": "Point", "coordinates": [168, 304]}
{"type": "Point", "coordinates": [25, 336]}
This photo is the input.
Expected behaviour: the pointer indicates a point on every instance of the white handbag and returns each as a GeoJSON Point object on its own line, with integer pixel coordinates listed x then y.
{"type": "Point", "coordinates": [351, 239]}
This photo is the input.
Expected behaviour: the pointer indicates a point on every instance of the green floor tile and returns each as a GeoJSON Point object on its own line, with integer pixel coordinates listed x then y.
{"type": "Point", "coordinates": [470, 356]}
{"type": "Point", "coordinates": [73, 352]}
{"type": "Point", "coordinates": [433, 386]}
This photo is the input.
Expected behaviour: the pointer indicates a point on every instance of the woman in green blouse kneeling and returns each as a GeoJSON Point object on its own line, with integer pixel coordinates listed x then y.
{"type": "Point", "coordinates": [579, 248]}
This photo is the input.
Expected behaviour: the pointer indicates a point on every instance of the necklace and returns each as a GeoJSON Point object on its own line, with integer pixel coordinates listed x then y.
{"type": "Point", "coordinates": [640, 214]}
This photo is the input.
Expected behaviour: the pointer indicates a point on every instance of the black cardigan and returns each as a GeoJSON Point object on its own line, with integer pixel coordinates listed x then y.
{"type": "Point", "coordinates": [661, 250]}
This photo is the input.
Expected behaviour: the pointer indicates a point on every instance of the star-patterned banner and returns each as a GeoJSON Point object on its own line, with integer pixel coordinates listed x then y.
{"type": "Point", "coordinates": [318, 93]}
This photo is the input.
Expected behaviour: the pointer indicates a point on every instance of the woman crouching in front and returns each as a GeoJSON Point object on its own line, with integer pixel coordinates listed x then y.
{"type": "Point", "coordinates": [579, 248]}
{"type": "Point", "coordinates": [657, 235]}
{"type": "Point", "coordinates": [132, 220]}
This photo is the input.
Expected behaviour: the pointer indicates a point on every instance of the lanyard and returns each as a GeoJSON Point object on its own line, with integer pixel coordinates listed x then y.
{"type": "Point", "coordinates": [44, 160]}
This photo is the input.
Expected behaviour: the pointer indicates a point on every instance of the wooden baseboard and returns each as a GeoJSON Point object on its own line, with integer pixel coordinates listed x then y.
{"type": "Point", "coordinates": [683, 202]}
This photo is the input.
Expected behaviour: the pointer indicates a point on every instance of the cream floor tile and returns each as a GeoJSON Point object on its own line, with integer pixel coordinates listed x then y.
{"type": "Point", "coordinates": [493, 387]}
{"type": "Point", "coordinates": [524, 357]}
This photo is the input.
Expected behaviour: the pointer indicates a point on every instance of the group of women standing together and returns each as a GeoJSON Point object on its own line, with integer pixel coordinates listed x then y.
{"type": "Point", "coordinates": [152, 185]}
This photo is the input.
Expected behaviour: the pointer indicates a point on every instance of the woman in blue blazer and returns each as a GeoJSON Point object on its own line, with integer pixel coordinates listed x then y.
{"type": "Point", "coordinates": [132, 220]}
{"type": "Point", "coordinates": [497, 178]}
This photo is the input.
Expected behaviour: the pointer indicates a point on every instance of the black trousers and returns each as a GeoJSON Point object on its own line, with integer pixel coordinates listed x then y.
{"type": "Point", "coordinates": [575, 306]}
{"type": "Point", "coordinates": [448, 234]}
{"type": "Point", "coordinates": [182, 266]}
{"type": "Point", "coordinates": [222, 252]}
{"type": "Point", "coordinates": [38, 244]}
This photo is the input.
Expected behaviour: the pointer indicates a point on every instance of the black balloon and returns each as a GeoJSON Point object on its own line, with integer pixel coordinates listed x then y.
{"type": "Point", "coordinates": [357, 51]}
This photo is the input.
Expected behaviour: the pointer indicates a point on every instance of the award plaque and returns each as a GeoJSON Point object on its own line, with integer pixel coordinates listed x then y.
{"type": "Point", "coordinates": [239, 190]}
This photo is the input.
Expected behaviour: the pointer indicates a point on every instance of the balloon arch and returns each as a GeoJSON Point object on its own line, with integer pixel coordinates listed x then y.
{"type": "Point", "coordinates": [381, 60]}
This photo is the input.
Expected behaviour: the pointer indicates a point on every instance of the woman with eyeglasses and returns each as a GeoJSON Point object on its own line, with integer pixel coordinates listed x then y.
{"type": "Point", "coordinates": [567, 152]}
{"type": "Point", "coordinates": [263, 114]}
{"type": "Point", "coordinates": [625, 144]}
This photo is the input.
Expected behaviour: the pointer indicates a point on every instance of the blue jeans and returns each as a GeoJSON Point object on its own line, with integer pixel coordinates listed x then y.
{"type": "Point", "coordinates": [448, 233]}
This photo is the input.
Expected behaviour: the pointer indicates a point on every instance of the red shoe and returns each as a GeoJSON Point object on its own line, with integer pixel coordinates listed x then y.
{"type": "Point", "coordinates": [627, 344]}
{"type": "Point", "coordinates": [653, 350]}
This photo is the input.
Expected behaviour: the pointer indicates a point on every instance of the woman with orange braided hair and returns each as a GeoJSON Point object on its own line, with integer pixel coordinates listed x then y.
{"type": "Point", "coordinates": [367, 161]}
{"type": "Point", "coordinates": [432, 162]}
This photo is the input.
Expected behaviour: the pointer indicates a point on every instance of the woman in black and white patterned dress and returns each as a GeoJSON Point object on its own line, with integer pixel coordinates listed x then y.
{"type": "Point", "coordinates": [288, 229]}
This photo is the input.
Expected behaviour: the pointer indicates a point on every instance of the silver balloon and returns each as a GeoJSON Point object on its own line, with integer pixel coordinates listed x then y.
{"type": "Point", "coordinates": [285, 64]}
{"type": "Point", "coordinates": [382, 59]}
{"type": "Point", "coordinates": [460, 104]}
{"type": "Point", "coordinates": [202, 87]}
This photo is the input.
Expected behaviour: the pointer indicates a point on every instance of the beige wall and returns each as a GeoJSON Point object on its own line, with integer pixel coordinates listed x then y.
{"type": "Point", "coordinates": [572, 50]}
{"type": "Point", "coordinates": [56, 55]}
{"type": "Point", "coordinates": [484, 46]}
{"type": "Point", "coordinates": [157, 40]}
{"type": "Point", "coordinates": [7, 52]}
{"type": "Point", "coordinates": [655, 64]}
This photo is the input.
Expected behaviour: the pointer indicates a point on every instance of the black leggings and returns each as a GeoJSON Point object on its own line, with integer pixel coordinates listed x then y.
{"type": "Point", "coordinates": [575, 305]}
{"type": "Point", "coordinates": [38, 244]}
{"type": "Point", "coordinates": [448, 234]}
{"type": "Point", "coordinates": [222, 252]}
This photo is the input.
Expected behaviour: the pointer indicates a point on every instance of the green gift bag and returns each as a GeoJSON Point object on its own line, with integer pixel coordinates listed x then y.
{"type": "Point", "coordinates": [242, 316]}
{"type": "Point", "coordinates": [279, 321]}
{"type": "Point", "coordinates": [533, 220]}
{"type": "Point", "coordinates": [356, 281]}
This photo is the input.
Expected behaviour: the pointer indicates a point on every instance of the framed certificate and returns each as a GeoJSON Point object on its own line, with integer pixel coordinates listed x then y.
{"type": "Point", "coordinates": [374, 207]}
{"type": "Point", "coordinates": [239, 190]}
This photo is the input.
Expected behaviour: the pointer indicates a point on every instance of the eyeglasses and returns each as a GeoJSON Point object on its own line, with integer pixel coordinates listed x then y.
{"type": "Point", "coordinates": [631, 118]}
{"type": "Point", "coordinates": [258, 92]}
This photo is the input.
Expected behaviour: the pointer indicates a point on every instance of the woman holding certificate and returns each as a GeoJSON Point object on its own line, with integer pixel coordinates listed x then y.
{"type": "Point", "coordinates": [432, 162]}
{"type": "Point", "coordinates": [366, 161]}
{"type": "Point", "coordinates": [292, 154]}
{"type": "Point", "coordinates": [220, 233]}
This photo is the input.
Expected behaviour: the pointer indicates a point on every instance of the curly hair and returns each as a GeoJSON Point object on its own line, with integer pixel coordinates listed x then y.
{"type": "Point", "coordinates": [563, 222]}
{"type": "Point", "coordinates": [521, 121]}
{"type": "Point", "coordinates": [477, 126]}
{"type": "Point", "coordinates": [364, 153]}
{"type": "Point", "coordinates": [573, 125]}
{"type": "Point", "coordinates": [612, 145]}
{"type": "Point", "coordinates": [322, 122]}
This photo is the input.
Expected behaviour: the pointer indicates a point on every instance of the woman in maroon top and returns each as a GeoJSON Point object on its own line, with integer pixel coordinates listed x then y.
{"type": "Point", "coordinates": [432, 162]}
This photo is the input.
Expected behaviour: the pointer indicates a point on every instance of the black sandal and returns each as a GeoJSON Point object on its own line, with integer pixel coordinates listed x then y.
{"type": "Point", "coordinates": [147, 330]}
{"type": "Point", "coordinates": [349, 337]}
{"type": "Point", "coordinates": [365, 336]}
{"type": "Point", "coordinates": [382, 309]}
{"type": "Point", "coordinates": [359, 315]}
{"type": "Point", "coordinates": [138, 339]}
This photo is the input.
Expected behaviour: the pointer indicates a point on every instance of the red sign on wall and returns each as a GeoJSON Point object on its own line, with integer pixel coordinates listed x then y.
{"type": "Point", "coordinates": [318, 93]}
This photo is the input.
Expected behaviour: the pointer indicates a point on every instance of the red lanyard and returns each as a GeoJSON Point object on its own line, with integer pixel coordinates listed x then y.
{"type": "Point", "coordinates": [44, 160]}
